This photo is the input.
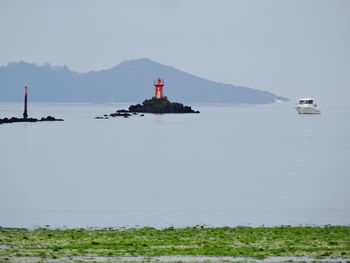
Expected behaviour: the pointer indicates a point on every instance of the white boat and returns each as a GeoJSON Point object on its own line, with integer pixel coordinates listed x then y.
{"type": "Point", "coordinates": [307, 106]}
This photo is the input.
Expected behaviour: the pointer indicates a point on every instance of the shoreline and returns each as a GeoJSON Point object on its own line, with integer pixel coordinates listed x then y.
{"type": "Point", "coordinates": [190, 259]}
{"type": "Point", "coordinates": [181, 244]}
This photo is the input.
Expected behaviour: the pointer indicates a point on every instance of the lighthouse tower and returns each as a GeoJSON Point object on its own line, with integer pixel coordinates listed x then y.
{"type": "Point", "coordinates": [25, 113]}
{"type": "Point", "coordinates": [158, 86]}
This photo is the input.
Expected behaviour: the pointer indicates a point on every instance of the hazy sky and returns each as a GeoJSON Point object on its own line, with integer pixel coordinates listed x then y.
{"type": "Point", "coordinates": [292, 48]}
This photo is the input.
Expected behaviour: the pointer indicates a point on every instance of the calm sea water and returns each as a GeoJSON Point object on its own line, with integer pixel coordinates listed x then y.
{"type": "Point", "coordinates": [229, 165]}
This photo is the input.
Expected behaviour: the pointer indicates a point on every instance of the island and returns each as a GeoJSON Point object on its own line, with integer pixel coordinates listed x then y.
{"type": "Point", "coordinates": [158, 104]}
{"type": "Point", "coordinates": [161, 105]}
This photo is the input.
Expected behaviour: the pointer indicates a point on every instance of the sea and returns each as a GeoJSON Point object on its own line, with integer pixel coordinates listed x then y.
{"type": "Point", "coordinates": [230, 165]}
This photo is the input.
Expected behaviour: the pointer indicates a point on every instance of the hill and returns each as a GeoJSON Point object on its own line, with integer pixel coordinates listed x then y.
{"type": "Point", "coordinates": [130, 81]}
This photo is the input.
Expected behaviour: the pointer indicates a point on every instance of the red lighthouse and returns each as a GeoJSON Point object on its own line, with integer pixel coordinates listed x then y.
{"type": "Point", "coordinates": [158, 86]}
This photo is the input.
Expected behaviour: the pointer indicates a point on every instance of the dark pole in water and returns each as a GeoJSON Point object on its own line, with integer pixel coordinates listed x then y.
{"type": "Point", "coordinates": [25, 114]}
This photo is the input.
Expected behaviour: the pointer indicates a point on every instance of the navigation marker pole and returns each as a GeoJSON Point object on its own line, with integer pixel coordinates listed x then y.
{"type": "Point", "coordinates": [25, 114]}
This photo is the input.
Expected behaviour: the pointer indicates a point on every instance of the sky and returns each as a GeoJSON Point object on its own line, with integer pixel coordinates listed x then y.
{"type": "Point", "coordinates": [293, 48]}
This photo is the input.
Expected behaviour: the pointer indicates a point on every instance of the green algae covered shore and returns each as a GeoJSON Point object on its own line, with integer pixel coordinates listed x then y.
{"type": "Point", "coordinates": [259, 242]}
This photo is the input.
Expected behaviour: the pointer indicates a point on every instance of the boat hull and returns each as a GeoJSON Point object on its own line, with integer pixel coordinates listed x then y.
{"type": "Point", "coordinates": [307, 110]}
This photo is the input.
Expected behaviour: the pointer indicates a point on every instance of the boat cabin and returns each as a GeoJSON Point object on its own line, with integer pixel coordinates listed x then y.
{"type": "Point", "coordinates": [306, 101]}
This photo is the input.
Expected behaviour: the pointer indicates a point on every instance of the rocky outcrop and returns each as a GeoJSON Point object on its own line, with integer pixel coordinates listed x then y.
{"type": "Point", "coordinates": [119, 113]}
{"type": "Point", "coordinates": [162, 105]}
{"type": "Point", "coordinates": [153, 105]}
{"type": "Point", "coordinates": [13, 119]}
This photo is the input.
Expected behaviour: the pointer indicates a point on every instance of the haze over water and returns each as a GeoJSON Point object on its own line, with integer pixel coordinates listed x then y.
{"type": "Point", "coordinates": [229, 165]}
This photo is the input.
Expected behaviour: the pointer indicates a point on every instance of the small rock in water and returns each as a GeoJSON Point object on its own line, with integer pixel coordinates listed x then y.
{"type": "Point", "coordinates": [48, 118]}
{"type": "Point", "coordinates": [120, 114]}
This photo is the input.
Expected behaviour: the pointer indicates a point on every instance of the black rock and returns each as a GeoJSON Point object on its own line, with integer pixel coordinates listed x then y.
{"type": "Point", "coordinates": [119, 114]}
{"type": "Point", "coordinates": [50, 118]}
{"type": "Point", "coordinates": [14, 119]}
{"type": "Point", "coordinates": [154, 105]}
{"type": "Point", "coordinates": [122, 110]}
{"type": "Point", "coordinates": [162, 105]}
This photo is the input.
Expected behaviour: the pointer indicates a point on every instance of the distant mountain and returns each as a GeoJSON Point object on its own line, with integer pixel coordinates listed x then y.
{"type": "Point", "coordinates": [130, 81]}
